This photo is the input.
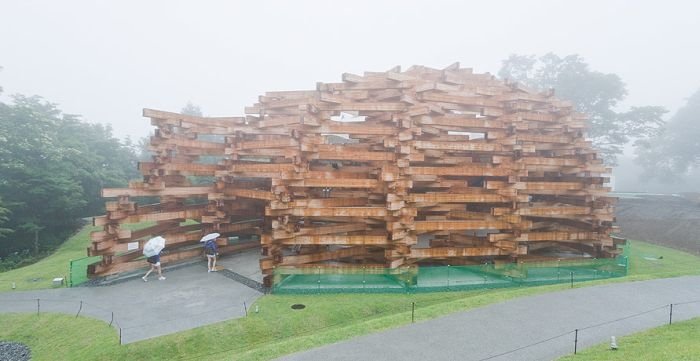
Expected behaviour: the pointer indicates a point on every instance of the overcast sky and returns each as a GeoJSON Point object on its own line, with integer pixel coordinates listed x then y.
{"type": "Point", "coordinates": [108, 60]}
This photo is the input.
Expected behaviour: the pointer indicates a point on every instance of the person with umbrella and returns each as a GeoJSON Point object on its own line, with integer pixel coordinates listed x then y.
{"type": "Point", "coordinates": [152, 250]}
{"type": "Point", "coordinates": [210, 249]}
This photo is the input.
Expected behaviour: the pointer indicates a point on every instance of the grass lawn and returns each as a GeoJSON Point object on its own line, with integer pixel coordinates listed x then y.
{"type": "Point", "coordinates": [39, 275]}
{"type": "Point", "coordinates": [278, 330]}
{"type": "Point", "coordinates": [649, 261]}
{"type": "Point", "coordinates": [677, 342]}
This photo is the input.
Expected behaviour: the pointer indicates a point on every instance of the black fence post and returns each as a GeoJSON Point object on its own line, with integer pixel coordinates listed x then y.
{"type": "Point", "coordinates": [79, 309]}
{"type": "Point", "coordinates": [670, 315]}
{"type": "Point", "coordinates": [576, 341]}
{"type": "Point", "coordinates": [572, 279]}
{"type": "Point", "coordinates": [245, 308]}
{"type": "Point", "coordinates": [38, 307]}
{"type": "Point", "coordinates": [120, 335]}
{"type": "Point", "coordinates": [413, 312]}
{"type": "Point", "coordinates": [112, 320]}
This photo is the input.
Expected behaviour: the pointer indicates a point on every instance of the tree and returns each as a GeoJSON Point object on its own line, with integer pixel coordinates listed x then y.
{"type": "Point", "coordinates": [594, 93]}
{"type": "Point", "coordinates": [4, 218]}
{"type": "Point", "coordinates": [143, 151]}
{"type": "Point", "coordinates": [677, 149]}
{"type": "Point", "coordinates": [53, 168]}
{"type": "Point", "coordinates": [191, 109]}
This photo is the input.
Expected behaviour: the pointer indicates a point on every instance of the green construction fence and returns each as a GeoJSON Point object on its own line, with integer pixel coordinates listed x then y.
{"type": "Point", "coordinates": [294, 280]}
{"type": "Point", "coordinates": [78, 270]}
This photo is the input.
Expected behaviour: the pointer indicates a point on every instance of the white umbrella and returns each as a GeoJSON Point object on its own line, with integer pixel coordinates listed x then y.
{"type": "Point", "coordinates": [153, 246]}
{"type": "Point", "coordinates": [209, 236]}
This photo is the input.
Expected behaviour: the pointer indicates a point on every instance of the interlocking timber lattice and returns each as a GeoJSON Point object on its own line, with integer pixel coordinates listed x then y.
{"type": "Point", "coordinates": [386, 170]}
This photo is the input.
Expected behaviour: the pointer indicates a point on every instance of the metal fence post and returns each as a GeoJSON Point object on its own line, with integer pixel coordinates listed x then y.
{"type": "Point", "coordinates": [319, 280]}
{"type": "Point", "coordinates": [364, 277]}
{"type": "Point", "coordinates": [413, 312]}
{"type": "Point", "coordinates": [80, 309]}
{"type": "Point", "coordinates": [572, 279]}
{"type": "Point", "coordinates": [558, 270]}
{"type": "Point", "coordinates": [448, 276]}
{"type": "Point", "coordinates": [245, 308]}
{"type": "Point", "coordinates": [38, 307]}
{"type": "Point", "coordinates": [110, 321]}
{"type": "Point", "coordinates": [575, 341]}
{"type": "Point", "coordinates": [670, 315]}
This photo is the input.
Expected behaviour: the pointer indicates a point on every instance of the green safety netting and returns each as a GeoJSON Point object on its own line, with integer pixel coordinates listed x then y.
{"type": "Point", "coordinates": [294, 280]}
{"type": "Point", "coordinates": [78, 270]}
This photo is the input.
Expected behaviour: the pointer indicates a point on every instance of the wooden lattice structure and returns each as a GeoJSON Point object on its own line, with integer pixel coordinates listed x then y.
{"type": "Point", "coordinates": [385, 169]}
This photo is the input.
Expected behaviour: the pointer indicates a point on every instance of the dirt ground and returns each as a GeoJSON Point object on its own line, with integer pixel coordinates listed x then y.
{"type": "Point", "coordinates": [668, 220]}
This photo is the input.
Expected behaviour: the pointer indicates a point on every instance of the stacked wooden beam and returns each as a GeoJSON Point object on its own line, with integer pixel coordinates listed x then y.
{"type": "Point", "coordinates": [386, 169]}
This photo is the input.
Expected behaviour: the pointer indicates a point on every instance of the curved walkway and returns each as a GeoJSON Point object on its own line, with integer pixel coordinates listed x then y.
{"type": "Point", "coordinates": [490, 332]}
{"type": "Point", "coordinates": [189, 297]}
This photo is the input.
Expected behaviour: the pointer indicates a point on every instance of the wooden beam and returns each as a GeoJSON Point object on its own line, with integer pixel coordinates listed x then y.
{"type": "Point", "coordinates": [427, 226]}
{"type": "Point", "coordinates": [335, 239]}
{"type": "Point", "coordinates": [456, 252]}
{"type": "Point", "coordinates": [336, 212]}
{"type": "Point", "coordinates": [456, 198]}
{"type": "Point", "coordinates": [171, 191]}
{"type": "Point", "coordinates": [323, 256]}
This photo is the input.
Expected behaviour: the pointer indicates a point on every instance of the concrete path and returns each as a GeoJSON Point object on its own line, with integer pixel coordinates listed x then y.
{"type": "Point", "coordinates": [486, 332]}
{"type": "Point", "coordinates": [245, 263]}
{"type": "Point", "coordinates": [189, 297]}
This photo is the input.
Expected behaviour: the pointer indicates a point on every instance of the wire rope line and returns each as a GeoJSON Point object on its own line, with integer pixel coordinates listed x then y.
{"type": "Point", "coordinates": [526, 346]}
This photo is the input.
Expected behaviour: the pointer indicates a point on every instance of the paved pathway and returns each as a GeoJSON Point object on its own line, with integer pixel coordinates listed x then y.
{"type": "Point", "coordinates": [189, 297]}
{"type": "Point", "coordinates": [483, 333]}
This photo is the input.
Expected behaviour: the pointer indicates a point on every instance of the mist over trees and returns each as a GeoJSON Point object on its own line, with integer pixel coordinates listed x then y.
{"type": "Point", "coordinates": [676, 150]}
{"type": "Point", "coordinates": [594, 93]}
{"type": "Point", "coordinates": [52, 169]}
{"type": "Point", "coordinates": [191, 109]}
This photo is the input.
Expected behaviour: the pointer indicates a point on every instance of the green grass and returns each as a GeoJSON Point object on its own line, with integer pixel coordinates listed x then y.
{"type": "Point", "coordinates": [40, 274]}
{"type": "Point", "coordinates": [676, 342]}
{"type": "Point", "coordinates": [278, 330]}
{"type": "Point", "coordinates": [645, 262]}
{"type": "Point", "coordinates": [50, 339]}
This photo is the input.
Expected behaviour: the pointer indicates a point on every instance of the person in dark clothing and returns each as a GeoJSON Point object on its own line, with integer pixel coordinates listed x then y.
{"type": "Point", "coordinates": [210, 249]}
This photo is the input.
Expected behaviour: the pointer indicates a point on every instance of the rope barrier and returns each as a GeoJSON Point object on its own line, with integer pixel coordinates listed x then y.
{"type": "Point", "coordinates": [526, 346]}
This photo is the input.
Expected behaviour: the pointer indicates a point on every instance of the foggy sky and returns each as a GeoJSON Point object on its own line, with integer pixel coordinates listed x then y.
{"type": "Point", "coordinates": [108, 60]}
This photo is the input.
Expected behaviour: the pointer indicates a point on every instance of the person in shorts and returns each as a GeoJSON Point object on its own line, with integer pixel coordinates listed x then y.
{"type": "Point", "coordinates": [154, 261]}
{"type": "Point", "coordinates": [210, 249]}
